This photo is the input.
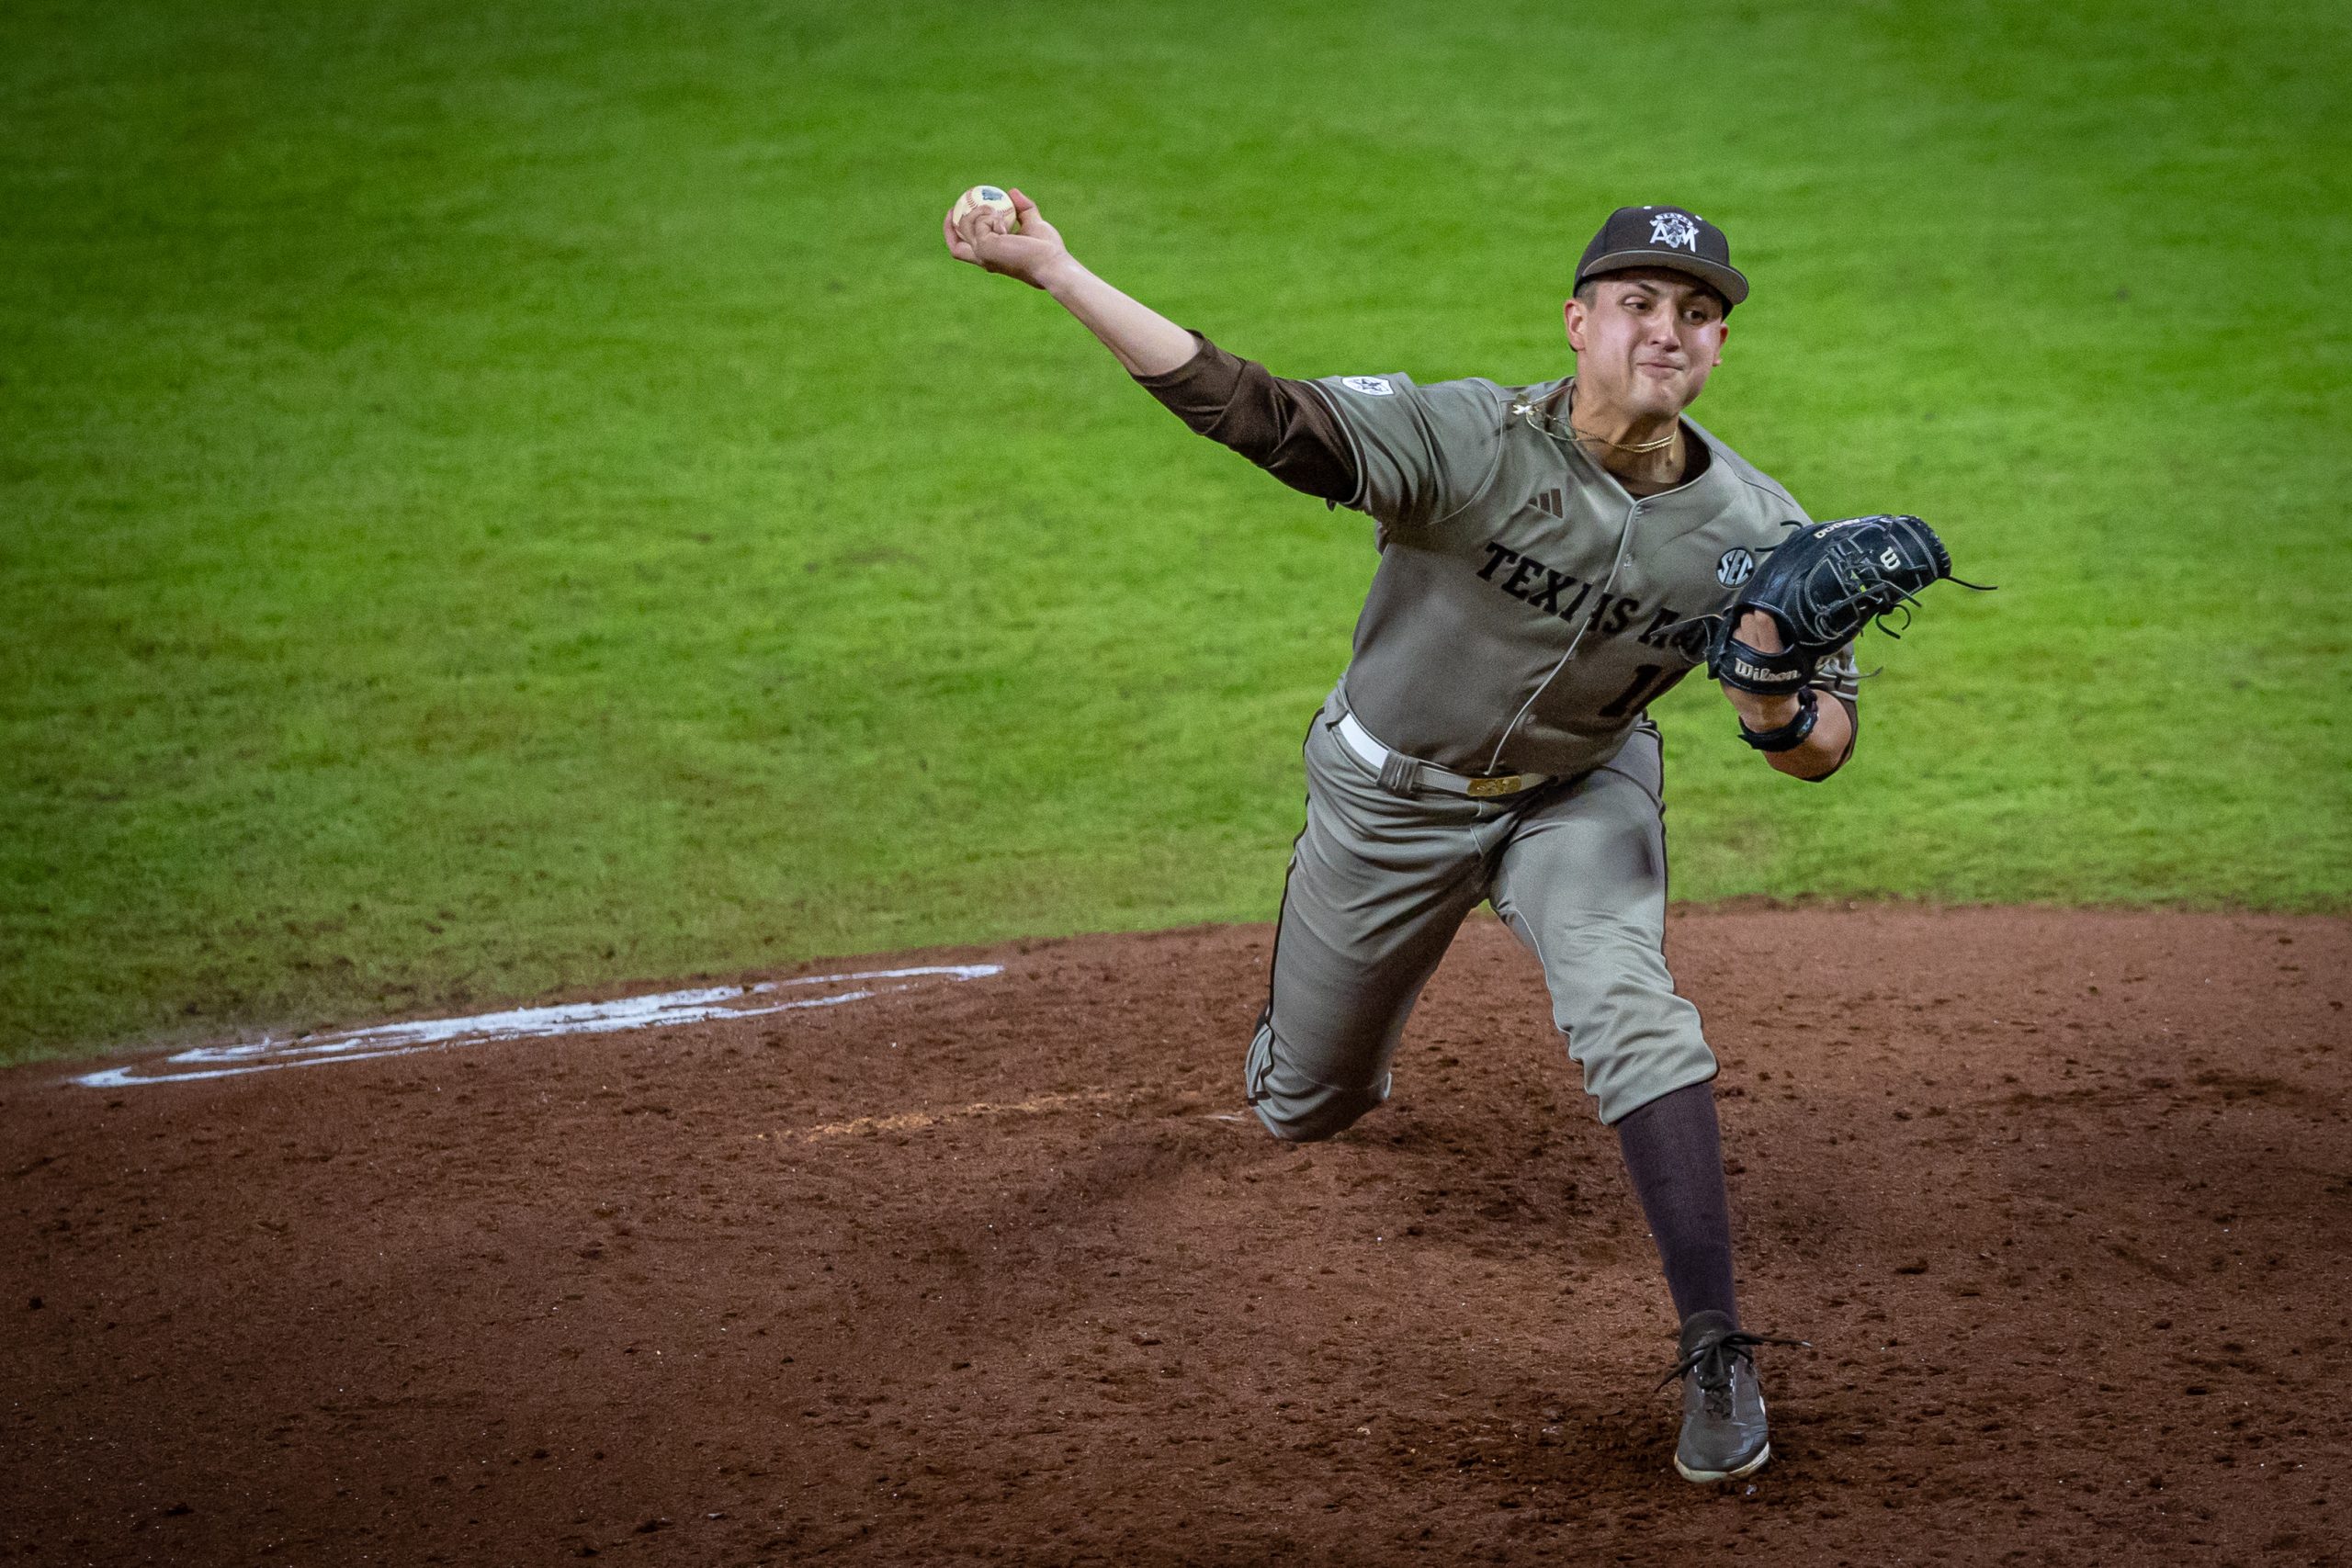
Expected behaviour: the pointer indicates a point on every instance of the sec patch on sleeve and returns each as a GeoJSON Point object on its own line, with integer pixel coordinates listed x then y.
{"type": "Point", "coordinates": [1370, 386]}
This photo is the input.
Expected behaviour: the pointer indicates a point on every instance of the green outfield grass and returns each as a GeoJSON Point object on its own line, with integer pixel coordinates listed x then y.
{"type": "Point", "coordinates": [494, 497]}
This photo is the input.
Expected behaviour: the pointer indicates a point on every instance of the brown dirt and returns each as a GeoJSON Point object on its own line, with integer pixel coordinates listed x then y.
{"type": "Point", "coordinates": [980, 1272]}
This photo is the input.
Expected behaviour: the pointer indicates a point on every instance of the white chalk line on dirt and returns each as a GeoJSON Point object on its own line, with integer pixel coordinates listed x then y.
{"type": "Point", "coordinates": [704, 1005]}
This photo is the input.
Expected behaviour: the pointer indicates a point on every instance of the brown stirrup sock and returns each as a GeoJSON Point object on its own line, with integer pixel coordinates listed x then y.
{"type": "Point", "coordinates": [1673, 1150]}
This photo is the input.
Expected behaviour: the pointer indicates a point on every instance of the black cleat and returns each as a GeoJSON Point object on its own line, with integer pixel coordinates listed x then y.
{"type": "Point", "coordinates": [1723, 1431]}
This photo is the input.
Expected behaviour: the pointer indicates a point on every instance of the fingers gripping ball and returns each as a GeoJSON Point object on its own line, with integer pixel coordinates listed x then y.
{"type": "Point", "coordinates": [1822, 585]}
{"type": "Point", "coordinates": [984, 198]}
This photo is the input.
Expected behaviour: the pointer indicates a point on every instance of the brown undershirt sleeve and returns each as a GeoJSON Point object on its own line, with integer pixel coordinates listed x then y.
{"type": "Point", "coordinates": [1281, 425]}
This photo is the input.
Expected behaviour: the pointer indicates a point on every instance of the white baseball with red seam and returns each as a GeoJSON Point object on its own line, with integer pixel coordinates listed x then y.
{"type": "Point", "coordinates": [984, 198]}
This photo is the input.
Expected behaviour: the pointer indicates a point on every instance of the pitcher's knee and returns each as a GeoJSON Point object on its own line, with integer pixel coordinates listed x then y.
{"type": "Point", "coordinates": [1326, 1113]}
{"type": "Point", "coordinates": [1322, 1112]}
{"type": "Point", "coordinates": [1623, 1082]}
{"type": "Point", "coordinates": [1298, 1109]}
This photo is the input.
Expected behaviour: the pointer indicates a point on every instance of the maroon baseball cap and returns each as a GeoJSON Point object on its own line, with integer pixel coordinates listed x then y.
{"type": "Point", "coordinates": [1671, 237]}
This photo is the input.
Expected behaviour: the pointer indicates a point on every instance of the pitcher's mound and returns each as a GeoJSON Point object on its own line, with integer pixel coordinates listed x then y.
{"type": "Point", "coordinates": [997, 1266]}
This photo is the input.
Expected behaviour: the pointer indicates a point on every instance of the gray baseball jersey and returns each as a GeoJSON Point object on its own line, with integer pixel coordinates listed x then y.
{"type": "Point", "coordinates": [1505, 550]}
{"type": "Point", "coordinates": [1525, 610]}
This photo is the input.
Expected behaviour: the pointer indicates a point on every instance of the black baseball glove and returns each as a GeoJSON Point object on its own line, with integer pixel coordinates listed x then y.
{"type": "Point", "coordinates": [1822, 585]}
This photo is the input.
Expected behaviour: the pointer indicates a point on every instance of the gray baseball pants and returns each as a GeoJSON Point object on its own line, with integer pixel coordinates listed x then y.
{"type": "Point", "coordinates": [1379, 884]}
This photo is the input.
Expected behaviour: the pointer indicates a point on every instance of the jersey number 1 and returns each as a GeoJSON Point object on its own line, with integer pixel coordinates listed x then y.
{"type": "Point", "coordinates": [1644, 687]}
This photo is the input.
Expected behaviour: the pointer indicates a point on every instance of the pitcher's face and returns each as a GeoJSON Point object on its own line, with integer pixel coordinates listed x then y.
{"type": "Point", "coordinates": [1647, 342]}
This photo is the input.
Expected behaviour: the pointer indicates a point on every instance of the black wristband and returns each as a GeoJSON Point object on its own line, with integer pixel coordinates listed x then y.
{"type": "Point", "coordinates": [1790, 736]}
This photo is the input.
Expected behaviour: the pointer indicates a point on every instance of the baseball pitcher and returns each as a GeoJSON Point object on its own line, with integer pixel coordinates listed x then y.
{"type": "Point", "coordinates": [1553, 558]}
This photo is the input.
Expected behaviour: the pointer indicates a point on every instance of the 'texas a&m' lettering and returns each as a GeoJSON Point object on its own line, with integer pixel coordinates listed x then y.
{"type": "Point", "coordinates": [1560, 593]}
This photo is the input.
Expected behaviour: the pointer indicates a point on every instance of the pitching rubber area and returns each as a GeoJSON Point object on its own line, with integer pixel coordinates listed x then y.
{"type": "Point", "coordinates": [976, 1256]}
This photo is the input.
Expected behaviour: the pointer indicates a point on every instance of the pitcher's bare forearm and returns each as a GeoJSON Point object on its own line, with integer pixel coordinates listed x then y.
{"type": "Point", "coordinates": [1819, 754]}
{"type": "Point", "coordinates": [1276, 423]}
{"type": "Point", "coordinates": [1022, 244]}
{"type": "Point", "coordinates": [1282, 426]}
{"type": "Point", "coordinates": [1835, 728]}
{"type": "Point", "coordinates": [1143, 340]}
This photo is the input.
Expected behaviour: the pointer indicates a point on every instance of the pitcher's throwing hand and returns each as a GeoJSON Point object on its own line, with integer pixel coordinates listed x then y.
{"type": "Point", "coordinates": [987, 237]}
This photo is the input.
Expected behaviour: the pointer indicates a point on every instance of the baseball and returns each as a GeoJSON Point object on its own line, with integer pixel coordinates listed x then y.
{"type": "Point", "coordinates": [984, 197]}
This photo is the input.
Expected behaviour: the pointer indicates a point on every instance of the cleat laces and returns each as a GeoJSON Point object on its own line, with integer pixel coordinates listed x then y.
{"type": "Point", "coordinates": [1710, 1362]}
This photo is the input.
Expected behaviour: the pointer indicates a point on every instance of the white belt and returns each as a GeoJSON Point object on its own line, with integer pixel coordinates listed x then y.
{"type": "Point", "coordinates": [1401, 774]}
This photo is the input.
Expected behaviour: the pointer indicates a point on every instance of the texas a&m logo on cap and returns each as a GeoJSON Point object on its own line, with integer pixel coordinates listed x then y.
{"type": "Point", "coordinates": [1668, 236]}
{"type": "Point", "coordinates": [1672, 228]}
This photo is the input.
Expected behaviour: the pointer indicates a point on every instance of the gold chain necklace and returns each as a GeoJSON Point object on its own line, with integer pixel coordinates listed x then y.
{"type": "Point", "coordinates": [1531, 413]}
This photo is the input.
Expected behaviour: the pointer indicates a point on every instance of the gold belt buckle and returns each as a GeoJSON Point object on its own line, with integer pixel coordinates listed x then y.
{"type": "Point", "coordinates": [1508, 783]}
